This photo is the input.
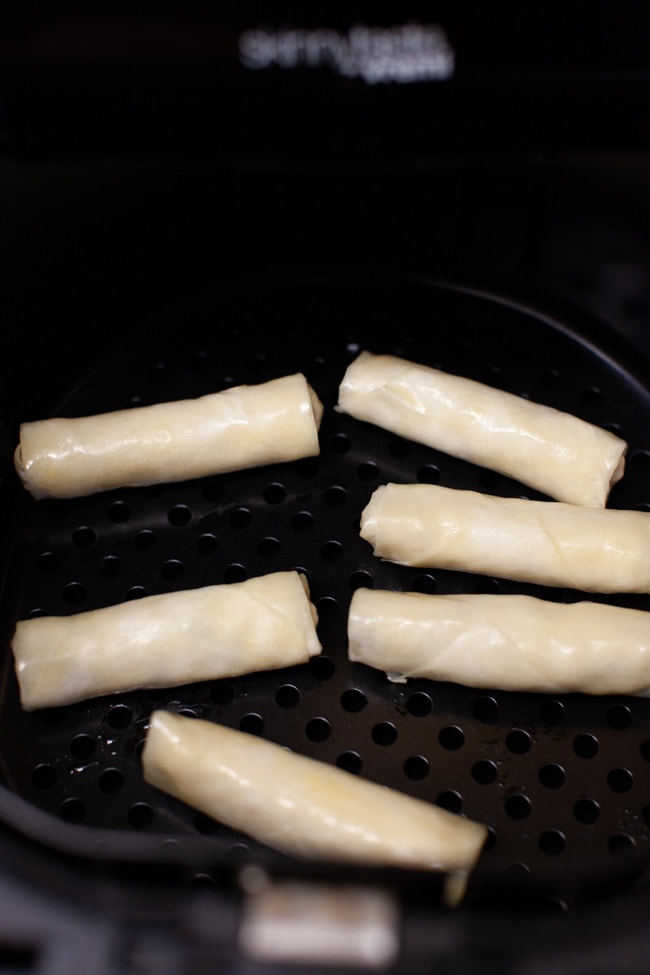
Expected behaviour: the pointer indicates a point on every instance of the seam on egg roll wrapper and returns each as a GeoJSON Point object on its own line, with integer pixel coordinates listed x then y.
{"type": "Point", "coordinates": [552, 451]}
{"type": "Point", "coordinates": [551, 543]}
{"type": "Point", "coordinates": [303, 807]}
{"type": "Point", "coordinates": [236, 428]}
{"type": "Point", "coordinates": [505, 642]}
{"type": "Point", "coordinates": [211, 632]}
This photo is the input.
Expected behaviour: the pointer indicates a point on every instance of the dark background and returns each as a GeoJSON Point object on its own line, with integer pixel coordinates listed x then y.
{"type": "Point", "coordinates": [143, 166]}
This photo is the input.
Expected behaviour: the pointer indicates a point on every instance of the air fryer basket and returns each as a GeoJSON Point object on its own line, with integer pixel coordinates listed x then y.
{"type": "Point", "coordinates": [559, 780]}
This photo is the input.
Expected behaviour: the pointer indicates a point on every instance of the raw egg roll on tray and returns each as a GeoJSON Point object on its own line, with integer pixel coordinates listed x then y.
{"type": "Point", "coordinates": [304, 807]}
{"type": "Point", "coordinates": [554, 452]}
{"type": "Point", "coordinates": [550, 543]}
{"type": "Point", "coordinates": [502, 642]}
{"type": "Point", "coordinates": [166, 640]}
{"type": "Point", "coordinates": [237, 428]}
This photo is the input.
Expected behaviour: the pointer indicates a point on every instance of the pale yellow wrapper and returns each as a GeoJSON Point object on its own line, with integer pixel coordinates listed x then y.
{"type": "Point", "coordinates": [502, 642]}
{"type": "Point", "coordinates": [301, 806]}
{"type": "Point", "coordinates": [165, 640]}
{"type": "Point", "coordinates": [550, 543]}
{"type": "Point", "coordinates": [237, 428]}
{"type": "Point", "coordinates": [556, 453]}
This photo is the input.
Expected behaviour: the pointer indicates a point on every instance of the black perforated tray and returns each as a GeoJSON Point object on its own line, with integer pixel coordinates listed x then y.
{"type": "Point", "coordinates": [560, 781]}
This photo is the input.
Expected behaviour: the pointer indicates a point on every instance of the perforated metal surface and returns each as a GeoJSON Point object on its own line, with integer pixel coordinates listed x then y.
{"type": "Point", "coordinates": [560, 781]}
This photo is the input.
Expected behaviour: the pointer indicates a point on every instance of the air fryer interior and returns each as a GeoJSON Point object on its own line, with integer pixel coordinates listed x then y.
{"type": "Point", "coordinates": [559, 780]}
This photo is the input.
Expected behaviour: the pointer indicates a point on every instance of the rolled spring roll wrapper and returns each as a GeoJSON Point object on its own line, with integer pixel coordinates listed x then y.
{"type": "Point", "coordinates": [550, 543]}
{"type": "Point", "coordinates": [301, 806]}
{"type": "Point", "coordinates": [166, 640]}
{"type": "Point", "coordinates": [502, 642]}
{"type": "Point", "coordinates": [554, 452]}
{"type": "Point", "coordinates": [237, 428]}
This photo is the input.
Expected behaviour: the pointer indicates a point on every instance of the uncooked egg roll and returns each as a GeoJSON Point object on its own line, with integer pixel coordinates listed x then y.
{"type": "Point", "coordinates": [549, 543]}
{"type": "Point", "coordinates": [502, 642]}
{"type": "Point", "coordinates": [554, 452]}
{"type": "Point", "coordinates": [166, 640]}
{"type": "Point", "coordinates": [301, 806]}
{"type": "Point", "coordinates": [237, 428]}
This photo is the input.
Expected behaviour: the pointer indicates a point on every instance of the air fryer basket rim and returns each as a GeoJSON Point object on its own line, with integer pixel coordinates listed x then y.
{"type": "Point", "coordinates": [261, 309]}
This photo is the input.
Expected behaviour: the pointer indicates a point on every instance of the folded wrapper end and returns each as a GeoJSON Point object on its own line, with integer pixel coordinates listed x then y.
{"type": "Point", "coordinates": [318, 408]}
{"type": "Point", "coordinates": [19, 467]}
{"type": "Point", "coordinates": [619, 470]}
{"type": "Point", "coordinates": [454, 888]}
